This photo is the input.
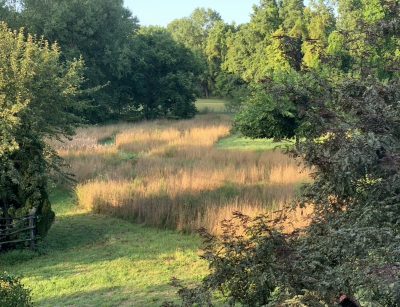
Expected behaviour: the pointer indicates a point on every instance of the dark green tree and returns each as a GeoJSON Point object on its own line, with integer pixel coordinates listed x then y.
{"type": "Point", "coordinates": [9, 12]}
{"type": "Point", "coordinates": [276, 106]}
{"type": "Point", "coordinates": [163, 82]}
{"type": "Point", "coordinates": [97, 30]}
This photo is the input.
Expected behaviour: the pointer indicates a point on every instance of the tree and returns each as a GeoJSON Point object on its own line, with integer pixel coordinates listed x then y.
{"type": "Point", "coordinates": [349, 136]}
{"type": "Point", "coordinates": [358, 22]}
{"type": "Point", "coordinates": [247, 56]}
{"type": "Point", "coordinates": [193, 32]}
{"type": "Point", "coordinates": [224, 84]}
{"type": "Point", "coordinates": [277, 68]}
{"type": "Point", "coordinates": [292, 16]}
{"type": "Point", "coordinates": [351, 244]}
{"type": "Point", "coordinates": [38, 99]}
{"type": "Point", "coordinates": [97, 30]}
{"type": "Point", "coordinates": [320, 23]}
{"type": "Point", "coordinates": [9, 12]}
{"type": "Point", "coordinates": [164, 77]}
{"type": "Point", "coordinates": [276, 107]}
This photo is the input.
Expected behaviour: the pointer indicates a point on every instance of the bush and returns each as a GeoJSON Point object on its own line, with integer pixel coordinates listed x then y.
{"type": "Point", "coordinates": [275, 108]}
{"type": "Point", "coordinates": [13, 293]}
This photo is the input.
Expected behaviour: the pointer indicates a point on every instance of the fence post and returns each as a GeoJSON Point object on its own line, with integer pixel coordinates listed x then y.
{"type": "Point", "coordinates": [32, 226]}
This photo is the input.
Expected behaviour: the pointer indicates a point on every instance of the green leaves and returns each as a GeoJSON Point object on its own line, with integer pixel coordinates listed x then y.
{"type": "Point", "coordinates": [164, 77]}
{"type": "Point", "coordinates": [13, 293]}
{"type": "Point", "coordinates": [39, 101]}
{"type": "Point", "coordinates": [342, 104]}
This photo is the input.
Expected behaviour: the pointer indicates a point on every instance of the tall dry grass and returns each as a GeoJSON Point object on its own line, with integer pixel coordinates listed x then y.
{"type": "Point", "coordinates": [169, 174]}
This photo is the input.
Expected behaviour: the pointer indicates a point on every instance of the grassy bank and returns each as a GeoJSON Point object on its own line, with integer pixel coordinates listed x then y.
{"type": "Point", "coordinates": [93, 260]}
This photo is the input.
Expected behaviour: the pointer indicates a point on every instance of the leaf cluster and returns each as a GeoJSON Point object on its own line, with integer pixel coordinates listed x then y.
{"type": "Point", "coordinates": [13, 293]}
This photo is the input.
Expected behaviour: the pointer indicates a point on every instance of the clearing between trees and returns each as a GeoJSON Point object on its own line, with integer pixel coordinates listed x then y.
{"type": "Point", "coordinates": [168, 174]}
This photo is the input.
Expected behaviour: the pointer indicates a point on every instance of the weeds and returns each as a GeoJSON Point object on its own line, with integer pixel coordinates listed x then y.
{"type": "Point", "coordinates": [170, 174]}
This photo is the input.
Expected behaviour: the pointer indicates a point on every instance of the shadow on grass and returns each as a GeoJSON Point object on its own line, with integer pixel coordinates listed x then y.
{"type": "Point", "coordinates": [81, 298]}
{"type": "Point", "coordinates": [86, 239]}
{"type": "Point", "coordinates": [111, 296]}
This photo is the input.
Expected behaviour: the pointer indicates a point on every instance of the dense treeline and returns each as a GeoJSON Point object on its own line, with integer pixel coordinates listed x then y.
{"type": "Point", "coordinates": [264, 66]}
{"type": "Point", "coordinates": [283, 41]}
{"type": "Point", "coordinates": [117, 55]}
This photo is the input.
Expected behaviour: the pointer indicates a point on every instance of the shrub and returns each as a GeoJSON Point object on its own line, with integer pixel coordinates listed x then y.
{"type": "Point", "coordinates": [39, 101]}
{"type": "Point", "coordinates": [352, 244]}
{"type": "Point", "coordinates": [13, 293]}
{"type": "Point", "coordinates": [275, 107]}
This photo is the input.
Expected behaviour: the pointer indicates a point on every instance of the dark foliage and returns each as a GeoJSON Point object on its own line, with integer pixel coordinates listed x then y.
{"type": "Point", "coordinates": [351, 245]}
{"type": "Point", "coordinates": [164, 77]}
{"type": "Point", "coordinates": [349, 135]}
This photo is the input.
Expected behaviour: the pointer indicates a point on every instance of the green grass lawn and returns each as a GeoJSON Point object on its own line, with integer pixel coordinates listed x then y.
{"type": "Point", "coordinates": [237, 142]}
{"type": "Point", "coordinates": [211, 105]}
{"type": "Point", "coordinates": [93, 260]}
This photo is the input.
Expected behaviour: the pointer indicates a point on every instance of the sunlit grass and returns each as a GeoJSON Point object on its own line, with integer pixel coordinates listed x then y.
{"type": "Point", "coordinates": [178, 175]}
{"type": "Point", "coordinates": [172, 175]}
{"type": "Point", "coordinates": [93, 260]}
{"type": "Point", "coordinates": [238, 142]}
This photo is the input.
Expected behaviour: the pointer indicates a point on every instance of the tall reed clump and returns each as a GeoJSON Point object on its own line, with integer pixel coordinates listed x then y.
{"type": "Point", "coordinates": [169, 174]}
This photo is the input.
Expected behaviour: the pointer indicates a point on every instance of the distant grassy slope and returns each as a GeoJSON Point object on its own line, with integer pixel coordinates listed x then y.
{"type": "Point", "coordinates": [93, 260]}
{"type": "Point", "coordinates": [211, 105]}
{"type": "Point", "coordinates": [238, 142]}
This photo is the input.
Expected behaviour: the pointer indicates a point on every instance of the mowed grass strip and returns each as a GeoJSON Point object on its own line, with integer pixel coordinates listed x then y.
{"type": "Point", "coordinates": [94, 260]}
{"type": "Point", "coordinates": [239, 142]}
{"type": "Point", "coordinates": [211, 105]}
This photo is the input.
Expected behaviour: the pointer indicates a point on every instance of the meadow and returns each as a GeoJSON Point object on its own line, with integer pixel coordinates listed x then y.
{"type": "Point", "coordinates": [173, 175]}
{"type": "Point", "coordinates": [179, 175]}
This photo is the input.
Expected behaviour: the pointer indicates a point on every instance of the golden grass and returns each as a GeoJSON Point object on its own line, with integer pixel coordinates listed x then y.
{"type": "Point", "coordinates": [169, 174]}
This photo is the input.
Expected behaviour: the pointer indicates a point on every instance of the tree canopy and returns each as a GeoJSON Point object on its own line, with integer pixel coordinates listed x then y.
{"type": "Point", "coordinates": [164, 77]}
{"type": "Point", "coordinates": [99, 31]}
{"type": "Point", "coordinates": [106, 35]}
{"type": "Point", "coordinates": [342, 105]}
